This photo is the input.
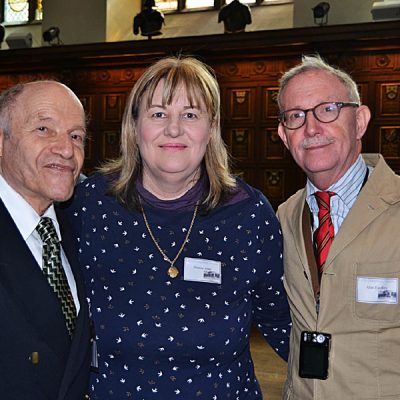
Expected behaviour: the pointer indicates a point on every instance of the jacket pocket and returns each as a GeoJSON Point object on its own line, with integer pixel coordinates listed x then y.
{"type": "Point", "coordinates": [376, 291]}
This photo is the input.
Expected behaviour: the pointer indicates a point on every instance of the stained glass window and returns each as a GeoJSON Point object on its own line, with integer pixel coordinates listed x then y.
{"type": "Point", "coordinates": [165, 5]}
{"type": "Point", "coordinates": [242, 1]}
{"type": "Point", "coordinates": [181, 5]}
{"type": "Point", "coordinates": [191, 4]}
{"type": "Point", "coordinates": [22, 11]}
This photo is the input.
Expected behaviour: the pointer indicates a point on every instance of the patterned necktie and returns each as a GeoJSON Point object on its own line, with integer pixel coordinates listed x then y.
{"type": "Point", "coordinates": [325, 232]}
{"type": "Point", "coordinates": [54, 271]}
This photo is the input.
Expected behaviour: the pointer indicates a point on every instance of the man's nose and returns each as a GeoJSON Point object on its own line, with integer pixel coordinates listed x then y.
{"type": "Point", "coordinates": [312, 125]}
{"type": "Point", "coordinates": [63, 145]}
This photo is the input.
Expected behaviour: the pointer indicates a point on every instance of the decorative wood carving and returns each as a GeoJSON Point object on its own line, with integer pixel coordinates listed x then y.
{"type": "Point", "coordinates": [240, 142]}
{"type": "Point", "coordinates": [272, 145]}
{"type": "Point", "coordinates": [111, 144]}
{"type": "Point", "coordinates": [390, 99]}
{"type": "Point", "coordinates": [113, 107]}
{"type": "Point", "coordinates": [88, 146]}
{"type": "Point", "coordinates": [270, 103]}
{"type": "Point", "coordinates": [274, 184]}
{"type": "Point", "coordinates": [241, 104]}
{"type": "Point", "coordinates": [389, 142]}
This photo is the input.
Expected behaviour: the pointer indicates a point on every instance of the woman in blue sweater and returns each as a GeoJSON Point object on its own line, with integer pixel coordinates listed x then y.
{"type": "Point", "coordinates": [180, 257]}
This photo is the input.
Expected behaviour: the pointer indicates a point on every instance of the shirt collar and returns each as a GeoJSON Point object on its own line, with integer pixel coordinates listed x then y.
{"type": "Point", "coordinates": [346, 188]}
{"type": "Point", "coordinates": [23, 214]}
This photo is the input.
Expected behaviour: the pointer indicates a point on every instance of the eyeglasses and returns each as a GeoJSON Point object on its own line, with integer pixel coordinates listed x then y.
{"type": "Point", "coordinates": [325, 112]}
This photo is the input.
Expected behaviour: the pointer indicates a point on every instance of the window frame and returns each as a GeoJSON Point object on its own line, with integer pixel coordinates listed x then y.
{"type": "Point", "coordinates": [31, 14]}
{"type": "Point", "coordinates": [218, 4]}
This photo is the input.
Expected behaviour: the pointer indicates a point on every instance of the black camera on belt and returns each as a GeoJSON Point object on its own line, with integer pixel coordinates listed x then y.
{"type": "Point", "coordinates": [314, 355]}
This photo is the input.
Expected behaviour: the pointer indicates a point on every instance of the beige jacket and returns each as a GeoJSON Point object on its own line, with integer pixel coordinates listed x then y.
{"type": "Point", "coordinates": [365, 351]}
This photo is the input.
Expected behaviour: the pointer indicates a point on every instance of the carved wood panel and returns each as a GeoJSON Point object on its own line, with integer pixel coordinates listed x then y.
{"type": "Point", "coordinates": [389, 99]}
{"type": "Point", "coordinates": [240, 104]}
{"type": "Point", "coordinates": [240, 141]}
{"type": "Point", "coordinates": [389, 142]}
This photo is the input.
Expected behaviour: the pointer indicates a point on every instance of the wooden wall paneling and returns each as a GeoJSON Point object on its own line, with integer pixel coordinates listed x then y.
{"type": "Point", "coordinates": [88, 149]}
{"type": "Point", "coordinates": [386, 123]}
{"type": "Point", "coordinates": [389, 141]}
{"type": "Point", "coordinates": [280, 180]}
{"type": "Point", "coordinates": [88, 101]}
{"type": "Point", "coordinates": [111, 144]}
{"type": "Point", "coordinates": [105, 109]}
{"type": "Point", "coordinates": [365, 97]}
{"type": "Point", "coordinates": [363, 89]}
{"type": "Point", "coordinates": [272, 147]}
{"type": "Point", "coordinates": [389, 99]}
{"type": "Point", "coordinates": [274, 183]}
{"type": "Point", "coordinates": [382, 62]}
{"type": "Point", "coordinates": [240, 104]}
{"type": "Point", "coordinates": [240, 142]}
{"type": "Point", "coordinates": [112, 107]}
{"type": "Point", "coordinates": [247, 174]}
{"type": "Point", "coordinates": [269, 104]}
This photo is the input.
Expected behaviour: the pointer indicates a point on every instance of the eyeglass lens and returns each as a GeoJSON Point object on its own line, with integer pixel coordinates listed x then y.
{"type": "Point", "coordinates": [325, 112]}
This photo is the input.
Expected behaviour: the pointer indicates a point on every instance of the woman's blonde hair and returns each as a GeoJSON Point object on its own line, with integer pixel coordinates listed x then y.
{"type": "Point", "coordinates": [202, 88]}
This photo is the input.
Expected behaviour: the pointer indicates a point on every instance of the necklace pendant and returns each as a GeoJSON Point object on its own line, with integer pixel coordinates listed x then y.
{"type": "Point", "coordinates": [173, 272]}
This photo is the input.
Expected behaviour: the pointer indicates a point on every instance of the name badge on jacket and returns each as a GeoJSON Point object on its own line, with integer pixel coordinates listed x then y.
{"type": "Point", "coordinates": [202, 270]}
{"type": "Point", "coordinates": [377, 290]}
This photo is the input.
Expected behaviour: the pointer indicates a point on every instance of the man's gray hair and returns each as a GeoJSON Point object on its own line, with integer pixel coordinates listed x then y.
{"type": "Point", "coordinates": [316, 63]}
{"type": "Point", "coordinates": [7, 101]}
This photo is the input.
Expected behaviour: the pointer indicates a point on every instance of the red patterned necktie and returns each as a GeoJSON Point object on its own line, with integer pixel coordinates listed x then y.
{"type": "Point", "coordinates": [325, 232]}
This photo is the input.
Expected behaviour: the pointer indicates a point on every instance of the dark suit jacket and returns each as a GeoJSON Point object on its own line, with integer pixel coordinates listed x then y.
{"type": "Point", "coordinates": [38, 360]}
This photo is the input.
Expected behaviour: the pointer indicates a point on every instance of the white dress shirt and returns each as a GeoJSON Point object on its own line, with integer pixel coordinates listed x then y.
{"type": "Point", "coordinates": [26, 219]}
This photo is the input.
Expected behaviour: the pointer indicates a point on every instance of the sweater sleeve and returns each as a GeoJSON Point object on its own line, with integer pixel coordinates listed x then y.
{"type": "Point", "coordinates": [271, 310]}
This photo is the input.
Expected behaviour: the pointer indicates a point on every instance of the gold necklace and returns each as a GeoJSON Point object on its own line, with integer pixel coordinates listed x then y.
{"type": "Point", "coordinates": [172, 271]}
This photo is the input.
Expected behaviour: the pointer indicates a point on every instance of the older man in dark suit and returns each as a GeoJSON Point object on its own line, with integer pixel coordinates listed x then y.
{"type": "Point", "coordinates": [45, 331]}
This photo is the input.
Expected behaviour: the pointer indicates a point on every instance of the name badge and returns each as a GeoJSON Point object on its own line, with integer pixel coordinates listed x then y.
{"type": "Point", "coordinates": [377, 290]}
{"type": "Point", "coordinates": [202, 270]}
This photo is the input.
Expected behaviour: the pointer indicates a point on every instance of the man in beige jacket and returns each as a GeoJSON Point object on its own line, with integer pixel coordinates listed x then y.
{"type": "Point", "coordinates": [345, 341]}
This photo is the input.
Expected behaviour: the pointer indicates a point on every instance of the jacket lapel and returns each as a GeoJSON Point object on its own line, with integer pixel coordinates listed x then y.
{"type": "Point", "coordinates": [309, 247]}
{"type": "Point", "coordinates": [296, 226]}
{"type": "Point", "coordinates": [374, 199]}
{"type": "Point", "coordinates": [78, 359]}
{"type": "Point", "coordinates": [24, 283]}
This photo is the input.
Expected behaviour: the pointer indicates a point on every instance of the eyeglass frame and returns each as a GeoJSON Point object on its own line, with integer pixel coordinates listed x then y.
{"type": "Point", "coordinates": [338, 104]}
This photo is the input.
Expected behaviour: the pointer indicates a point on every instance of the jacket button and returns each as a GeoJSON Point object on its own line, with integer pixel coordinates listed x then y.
{"type": "Point", "coordinates": [34, 357]}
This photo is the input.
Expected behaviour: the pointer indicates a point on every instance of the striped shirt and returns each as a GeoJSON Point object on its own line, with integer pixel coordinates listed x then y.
{"type": "Point", "coordinates": [346, 189]}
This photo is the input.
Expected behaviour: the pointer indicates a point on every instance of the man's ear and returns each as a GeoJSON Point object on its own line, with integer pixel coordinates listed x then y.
{"type": "Point", "coordinates": [363, 115]}
{"type": "Point", "coordinates": [282, 135]}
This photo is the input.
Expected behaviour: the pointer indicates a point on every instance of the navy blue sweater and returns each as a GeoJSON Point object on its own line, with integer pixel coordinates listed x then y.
{"type": "Point", "coordinates": [164, 338]}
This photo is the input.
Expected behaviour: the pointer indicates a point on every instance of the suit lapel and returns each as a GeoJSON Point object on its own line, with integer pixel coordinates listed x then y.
{"type": "Point", "coordinates": [79, 351]}
{"type": "Point", "coordinates": [69, 247]}
{"type": "Point", "coordinates": [309, 247]}
{"type": "Point", "coordinates": [296, 226]}
{"type": "Point", "coordinates": [25, 284]}
{"type": "Point", "coordinates": [374, 199]}
{"type": "Point", "coordinates": [360, 216]}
